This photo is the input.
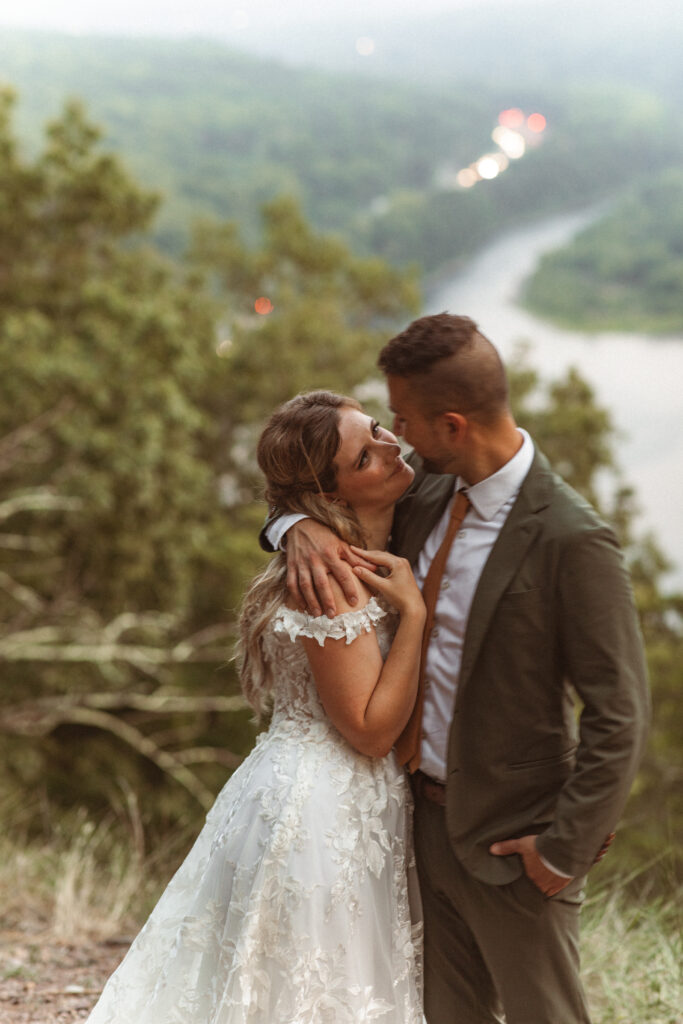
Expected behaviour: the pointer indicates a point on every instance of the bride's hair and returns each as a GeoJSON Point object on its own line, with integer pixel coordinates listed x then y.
{"type": "Point", "coordinates": [295, 454]}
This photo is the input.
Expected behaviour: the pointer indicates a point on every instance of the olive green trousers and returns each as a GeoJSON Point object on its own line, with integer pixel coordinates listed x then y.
{"type": "Point", "coordinates": [494, 952]}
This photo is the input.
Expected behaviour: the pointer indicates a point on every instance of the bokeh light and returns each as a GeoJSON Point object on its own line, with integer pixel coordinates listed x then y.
{"type": "Point", "coordinates": [263, 306]}
{"type": "Point", "coordinates": [511, 142]}
{"type": "Point", "coordinates": [511, 118]}
{"type": "Point", "coordinates": [488, 167]}
{"type": "Point", "coordinates": [467, 177]}
{"type": "Point", "coordinates": [365, 46]}
{"type": "Point", "coordinates": [536, 123]}
{"type": "Point", "coordinates": [223, 347]}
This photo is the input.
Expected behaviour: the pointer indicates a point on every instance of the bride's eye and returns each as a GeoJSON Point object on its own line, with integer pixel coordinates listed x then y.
{"type": "Point", "coordinates": [375, 428]}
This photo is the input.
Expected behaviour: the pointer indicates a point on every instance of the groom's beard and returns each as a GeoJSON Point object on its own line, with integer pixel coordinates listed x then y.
{"type": "Point", "coordinates": [431, 466]}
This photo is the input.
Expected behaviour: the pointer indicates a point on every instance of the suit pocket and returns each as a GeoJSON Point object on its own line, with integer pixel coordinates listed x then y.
{"type": "Point", "coordinates": [543, 762]}
{"type": "Point", "coordinates": [517, 589]}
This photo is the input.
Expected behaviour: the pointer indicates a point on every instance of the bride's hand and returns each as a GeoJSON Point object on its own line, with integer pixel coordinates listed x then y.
{"type": "Point", "coordinates": [397, 585]}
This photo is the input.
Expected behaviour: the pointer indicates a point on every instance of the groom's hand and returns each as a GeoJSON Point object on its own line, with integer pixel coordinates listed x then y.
{"type": "Point", "coordinates": [314, 551]}
{"type": "Point", "coordinates": [546, 880]}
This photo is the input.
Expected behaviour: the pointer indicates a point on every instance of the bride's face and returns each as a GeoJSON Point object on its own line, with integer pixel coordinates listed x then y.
{"type": "Point", "coordinates": [370, 471]}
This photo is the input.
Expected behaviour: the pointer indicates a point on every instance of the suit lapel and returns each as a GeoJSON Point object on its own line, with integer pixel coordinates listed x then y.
{"type": "Point", "coordinates": [516, 537]}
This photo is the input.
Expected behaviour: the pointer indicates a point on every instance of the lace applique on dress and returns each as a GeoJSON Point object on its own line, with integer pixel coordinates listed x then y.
{"type": "Point", "coordinates": [349, 624]}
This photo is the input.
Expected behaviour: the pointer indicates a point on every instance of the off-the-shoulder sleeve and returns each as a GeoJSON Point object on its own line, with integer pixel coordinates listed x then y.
{"type": "Point", "coordinates": [348, 625]}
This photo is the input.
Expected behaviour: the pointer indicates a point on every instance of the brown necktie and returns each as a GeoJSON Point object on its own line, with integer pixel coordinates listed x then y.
{"type": "Point", "coordinates": [408, 744]}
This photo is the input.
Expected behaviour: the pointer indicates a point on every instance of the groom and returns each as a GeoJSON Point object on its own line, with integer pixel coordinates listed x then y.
{"type": "Point", "coordinates": [513, 795]}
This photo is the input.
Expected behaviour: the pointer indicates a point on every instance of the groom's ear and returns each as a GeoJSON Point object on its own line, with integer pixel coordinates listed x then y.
{"type": "Point", "coordinates": [455, 423]}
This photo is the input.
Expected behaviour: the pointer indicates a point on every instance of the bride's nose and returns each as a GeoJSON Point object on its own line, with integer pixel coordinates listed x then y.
{"type": "Point", "coordinates": [391, 447]}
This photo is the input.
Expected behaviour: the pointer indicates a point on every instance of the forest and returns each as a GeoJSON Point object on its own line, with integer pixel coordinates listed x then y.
{"type": "Point", "coordinates": [137, 370]}
{"type": "Point", "coordinates": [624, 272]}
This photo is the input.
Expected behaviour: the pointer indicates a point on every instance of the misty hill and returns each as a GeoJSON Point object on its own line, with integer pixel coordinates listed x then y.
{"type": "Point", "coordinates": [218, 132]}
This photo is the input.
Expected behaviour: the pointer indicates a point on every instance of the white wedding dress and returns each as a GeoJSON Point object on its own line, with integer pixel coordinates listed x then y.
{"type": "Point", "coordinates": [298, 903]}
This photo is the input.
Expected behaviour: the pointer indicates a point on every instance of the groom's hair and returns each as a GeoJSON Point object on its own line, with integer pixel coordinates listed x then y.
{"type": "Point", "coordinates": [452, 365]}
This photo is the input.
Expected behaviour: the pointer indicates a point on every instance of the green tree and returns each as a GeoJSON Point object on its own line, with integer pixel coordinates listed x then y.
{"type": "Point", "coordinates": [123, 555]}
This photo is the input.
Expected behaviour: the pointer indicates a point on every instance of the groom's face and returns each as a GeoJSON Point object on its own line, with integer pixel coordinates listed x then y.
{"type": "Point", "coordinates": [428, 435]}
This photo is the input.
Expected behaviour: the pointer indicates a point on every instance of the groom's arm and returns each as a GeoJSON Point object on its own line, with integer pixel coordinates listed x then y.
{"type": "Point", "coordinates": [275, 529]}
{"type": "Point", "coordinates": [314, 552]}
{"type": "Point", "coordinates": [603, 655]}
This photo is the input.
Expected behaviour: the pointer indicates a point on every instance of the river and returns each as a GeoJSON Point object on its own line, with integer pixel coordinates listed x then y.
{"type": "Point", "coordinates": [637, 377]}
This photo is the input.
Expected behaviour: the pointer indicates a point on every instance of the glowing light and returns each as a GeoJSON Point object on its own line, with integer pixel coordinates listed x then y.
{"type": "Point", "coordinates": [501, 160]}
{"type": "Point", "coordinates": [467, 178]}
{"type": "Point", "coordinates": [365, 46]}
{"type": "Point", "coordinates": [512, 143]}
{"type": "Point", "coordinates": [263, 306]}
{"type": "Point", "coordinates": [511, 118]}
{"type": "Point", "coordinates": [488, 167]}
{"type": "Point", "coordinates": [536, 123]}
{"type": "Point", "coordinates": [239, 19]}
{"type": "Point", "coordinates": [223, 347]}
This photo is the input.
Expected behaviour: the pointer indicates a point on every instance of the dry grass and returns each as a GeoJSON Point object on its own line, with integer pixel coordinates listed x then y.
{"type": "Point", "coordinates": [632, 956]}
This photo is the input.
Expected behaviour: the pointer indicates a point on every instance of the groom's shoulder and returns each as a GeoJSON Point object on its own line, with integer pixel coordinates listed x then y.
{"type": "Point", "coordinates": [565, 510]}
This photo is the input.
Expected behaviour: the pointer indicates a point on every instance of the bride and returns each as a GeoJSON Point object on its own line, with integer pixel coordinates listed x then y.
{"type": "Point", "coordinates": [298, 903]}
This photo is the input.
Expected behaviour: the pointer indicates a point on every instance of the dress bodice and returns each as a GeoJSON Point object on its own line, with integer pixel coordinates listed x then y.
{"type": "Point", "coordinates": [294, 691]}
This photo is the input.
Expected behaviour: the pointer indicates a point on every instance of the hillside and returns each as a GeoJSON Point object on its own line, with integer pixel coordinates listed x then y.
{"type": "Point", "coordinates": [217, 133]}
{"type": "Point", "coordinates": [624, 272]}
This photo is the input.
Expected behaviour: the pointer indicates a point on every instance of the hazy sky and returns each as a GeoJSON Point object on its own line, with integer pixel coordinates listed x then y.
{"type": "Point", "coordinates": [223, 16]}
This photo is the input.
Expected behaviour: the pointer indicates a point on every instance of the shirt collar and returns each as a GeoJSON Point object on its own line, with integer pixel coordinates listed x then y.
{"type": "Point", "coordinates": [489, 495]}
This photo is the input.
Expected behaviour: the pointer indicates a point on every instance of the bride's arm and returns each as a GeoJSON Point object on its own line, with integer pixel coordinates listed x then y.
{"type": "Point", "coordinates": [370, 700]}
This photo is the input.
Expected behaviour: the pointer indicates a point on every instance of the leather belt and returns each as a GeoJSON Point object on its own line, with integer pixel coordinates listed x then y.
{"type": "Point", "coordinates": [429, 788]}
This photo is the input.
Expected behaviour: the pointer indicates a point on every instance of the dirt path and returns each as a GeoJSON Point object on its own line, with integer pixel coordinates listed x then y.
{"type": "Point", "coordinates": [42, 982]}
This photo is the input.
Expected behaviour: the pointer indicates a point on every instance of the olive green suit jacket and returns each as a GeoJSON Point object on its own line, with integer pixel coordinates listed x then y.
{"type": "Point", "coordinates": [552, 616]}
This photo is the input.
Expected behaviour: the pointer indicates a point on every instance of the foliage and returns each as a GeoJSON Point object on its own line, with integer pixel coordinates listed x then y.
{"type": "Point", "coordinates": [624, 272]}
{"type": "Point", "coordinates": [631, 955]}
{"type": "Point", "coordinates": [118, 340]}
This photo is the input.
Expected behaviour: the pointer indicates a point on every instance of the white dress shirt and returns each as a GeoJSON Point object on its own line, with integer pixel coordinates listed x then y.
{"type": "Point", "coordinates": [491, 500]}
